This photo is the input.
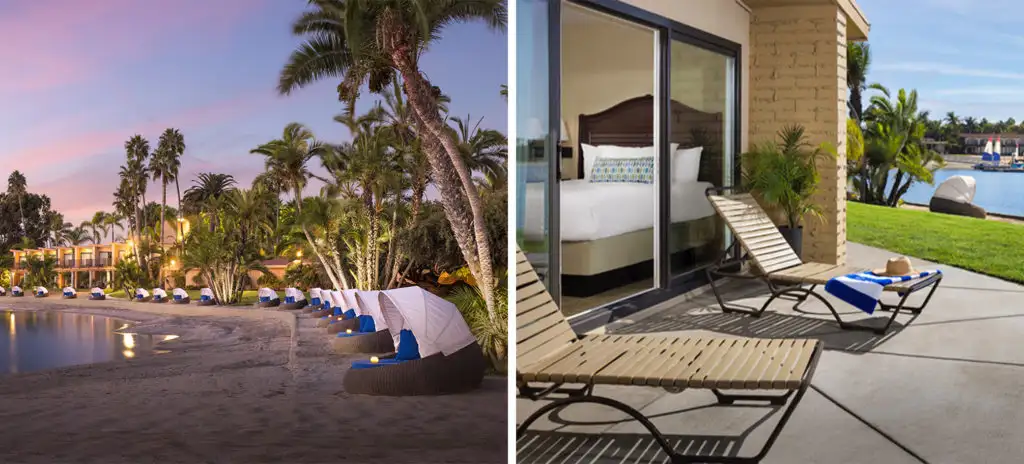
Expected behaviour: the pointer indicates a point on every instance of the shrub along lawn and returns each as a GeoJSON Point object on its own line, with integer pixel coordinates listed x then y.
{"type": "Point", "coordinates": [987, 247]}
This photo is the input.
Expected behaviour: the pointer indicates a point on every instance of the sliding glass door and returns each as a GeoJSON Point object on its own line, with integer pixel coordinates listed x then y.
{"type": "Point", "coordinates": [624, 120]}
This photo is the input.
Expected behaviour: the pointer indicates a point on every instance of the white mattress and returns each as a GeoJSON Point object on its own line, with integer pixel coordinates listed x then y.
{"type": "Point", "coordinates": [592, 211]}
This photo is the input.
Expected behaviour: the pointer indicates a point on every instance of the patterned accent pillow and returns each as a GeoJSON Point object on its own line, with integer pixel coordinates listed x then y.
{"type": "Point", "coordinates": [628, 170]}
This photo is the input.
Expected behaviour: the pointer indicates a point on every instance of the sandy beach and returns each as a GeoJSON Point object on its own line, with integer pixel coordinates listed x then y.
{"type": "Point", "coordinates": [239, 385]}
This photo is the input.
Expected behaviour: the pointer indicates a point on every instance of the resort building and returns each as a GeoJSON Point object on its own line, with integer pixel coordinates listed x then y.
{"type": "Point", "coordinates": [974, 144]}
{"type": "Point", "coordinates": [691, 83]}
{"type": "Point", "coordinates": [86, 266]}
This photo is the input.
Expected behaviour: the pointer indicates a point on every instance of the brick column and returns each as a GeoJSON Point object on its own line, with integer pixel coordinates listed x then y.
{"type": "Point", "coordinates": [798, 76]}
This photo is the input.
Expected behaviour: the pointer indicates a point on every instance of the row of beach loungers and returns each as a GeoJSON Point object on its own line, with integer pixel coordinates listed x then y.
{"type": "Point", "coordinates": [419, 342]}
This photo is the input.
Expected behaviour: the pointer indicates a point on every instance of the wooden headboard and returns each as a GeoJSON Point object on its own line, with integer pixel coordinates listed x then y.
{"type": "Point", "coordinates": [631, 124]}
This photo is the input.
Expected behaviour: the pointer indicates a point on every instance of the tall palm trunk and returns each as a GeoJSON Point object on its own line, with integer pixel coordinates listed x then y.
{"type": "Point", "coordinates": [163, 249]}
{"type": "Point", "coordinates": [424, 107]}
{"type": "Point", "coordinates": [180, 225]}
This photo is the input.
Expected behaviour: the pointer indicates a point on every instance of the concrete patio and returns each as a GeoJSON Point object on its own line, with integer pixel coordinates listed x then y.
{"type": "Point", "coordinates": [941, 387]}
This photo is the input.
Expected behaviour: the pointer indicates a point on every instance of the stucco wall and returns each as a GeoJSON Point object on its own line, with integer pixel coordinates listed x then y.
{"type": "Point", "coordinates": [606, 60]}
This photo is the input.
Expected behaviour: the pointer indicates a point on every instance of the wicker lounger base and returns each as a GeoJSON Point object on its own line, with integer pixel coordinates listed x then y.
{"type": "Point", "coordinates": [462, 371]}
{"type": "Point", "coordinates": [185, 300]}
{"type": "Point", "coordinates": [160, 301]}
{"type": "Point", "coordinates": [66, 297]}
{"type": "Point", "coordinates": [321, 322]}
{"type": "Point", "coordinates": [206, 303]}
{"type": "Point", "coordinates": [269, 304]}
{"type": "Point", "coordinates": [97, 298]}
{"type": "Point", "coordinates": [309, 309]}
{"type": "Point", "coordinates": [17, 295]}
{"type": "Point", "coordinates": [341, 326]}
{"type": "Point", "coordinates": [377, 342]}
{"type": "Point", "coordinates": [296, 305]}
{"type": "Point", "coordinates": [144, 300]}
{"type": "Point", "coordinates": [42, 296]}
{"type": "Point", "coordinates": [322, 312]}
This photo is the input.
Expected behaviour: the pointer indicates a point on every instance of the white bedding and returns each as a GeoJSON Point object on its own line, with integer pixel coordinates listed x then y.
{"type": "Point", "coordinates": [591, 211]}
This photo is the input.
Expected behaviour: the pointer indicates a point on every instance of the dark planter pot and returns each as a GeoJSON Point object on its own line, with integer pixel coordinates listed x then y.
{"type": "Point", "coordinates": [795, 237]}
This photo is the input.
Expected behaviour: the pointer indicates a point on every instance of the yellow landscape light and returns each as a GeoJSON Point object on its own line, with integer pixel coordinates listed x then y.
{"type": "Point", "coordinates": [374, 359]}
{"type": "Point", "coordinates": [172, 262]}
{"type": "Point", "coordinates": [298, 254]}
{"type": "Point", "coordinates": [348, 331]}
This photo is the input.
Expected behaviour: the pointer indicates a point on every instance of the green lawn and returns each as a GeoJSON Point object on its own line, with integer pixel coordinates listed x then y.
{"type": "Point", "coordinates": [987, 247]}
{"type": "Point", "coordinates": [249, 297]}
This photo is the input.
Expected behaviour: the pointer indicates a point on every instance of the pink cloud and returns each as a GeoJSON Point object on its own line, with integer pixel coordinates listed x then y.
{"type": "Point", "coordinates": [57, 42]}
{"type": "Point", "coordinates": [69, 149]}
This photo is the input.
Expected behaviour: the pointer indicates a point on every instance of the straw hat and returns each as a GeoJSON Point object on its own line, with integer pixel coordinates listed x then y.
{"type": "Point", "coordinates": [896, 267]}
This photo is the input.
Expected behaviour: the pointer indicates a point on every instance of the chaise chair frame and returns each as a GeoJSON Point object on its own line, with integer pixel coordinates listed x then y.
{"type": "Point", "coordinates": [551, 353]}
{"type": "Point", "coordinates": [773, 261]}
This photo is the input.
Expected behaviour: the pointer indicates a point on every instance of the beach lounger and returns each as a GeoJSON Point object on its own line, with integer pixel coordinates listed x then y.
{"type": "Point", "coordinates": [69, 293]}
{"type": "Point", "coordinates": [97, 294]}
{"type": "Point", "coordinates": [315, 300]}
{"type": "Point", "coordinates": [267, 298]}
{"type": "Point", "coordinates": [436, 353]}
{"type": "Point", "coordinates": [352, 318]}
{"type": "Point", "coordinates": [206, 297]}
{"type": "Point", "coordinates": [159, 296]}
{"type": "Point", "coordinates": [3, 291]}
{"type": "Point", "coordinates": [776, 264]}
{"type": "Point", "coordinates": [179, 296]}
{"type": "Point", "coordinates": [373, 336]}
{"type": "Point", "coordinates": [16, 291]}
{"type": "Point", "coordinates": [342, 312]}
{"type": "Point", "coordinates": [42, 292]}
{"type": "Point", "coordinates": [550, 354]}
{"type": "Point", "coordinates": [142, 295]}
{"type": "Point", "coordinates": [293, 299]}
{"type": "Point", "coordinates": [327, 305]}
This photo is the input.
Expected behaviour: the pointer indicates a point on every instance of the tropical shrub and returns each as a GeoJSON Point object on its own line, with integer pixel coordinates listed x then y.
{"type": "Point", "coordinates": [784, 173]}
{"type": "Point", "coordinates": [269, 280]}
{"type": "Point", "coordinates": [41, 271]}
{"type": "Point", "coordinates": [303, 276]}
{"type": "Point", "coordinates": [492, 335]}
{"type": "Point", "coordinates": [128, 276]}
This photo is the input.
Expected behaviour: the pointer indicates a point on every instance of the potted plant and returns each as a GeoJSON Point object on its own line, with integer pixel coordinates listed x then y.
{"type": "Point", "coordinates": [783, 175]}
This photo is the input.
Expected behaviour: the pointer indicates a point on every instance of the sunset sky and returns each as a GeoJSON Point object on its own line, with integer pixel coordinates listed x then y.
{"type": "Point", "coordinates": [77, 82]}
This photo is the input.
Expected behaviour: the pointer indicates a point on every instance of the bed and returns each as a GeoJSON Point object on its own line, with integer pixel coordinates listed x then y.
{"type": "Point", "coordinates": [607, 240]}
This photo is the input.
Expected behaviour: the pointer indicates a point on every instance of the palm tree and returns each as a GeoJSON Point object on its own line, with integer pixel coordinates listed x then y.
{"type": "Point", "coordinates": [18, 186]}
{"type": "Point", "coordinates": [953, 120]}
{"type": "Point", "coordinates": [135, 174]}
{"type": "Point", "coordinates": [58, 228]}
{"type": "Point", "coordinates": [894, 140]}
{"type": "Point", "coordinates": [80, 235]}
{"type": "Point", "coordinates": [204, 196]}
{"type": "Point", "coordinates": [175, 143]}
{"type": "Point", "coordinates": [286, 160]}
{"type": "Point", "coordinates": [372, 42]}
{"type": "Point", "coordinates": [858, 59]}
{"type": "Point", "coordinates": [164, 166]}
{"type": "Point", "coordinates": [971, 124]}
{"type": "Point", "coordinates": [484, 150]}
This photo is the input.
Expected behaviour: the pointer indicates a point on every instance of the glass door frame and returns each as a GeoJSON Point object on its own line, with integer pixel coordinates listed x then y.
{"type": "Point", "coordinates": [666, 30]}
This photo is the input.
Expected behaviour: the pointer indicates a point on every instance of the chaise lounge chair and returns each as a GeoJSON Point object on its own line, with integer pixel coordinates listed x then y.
{"type": "Point", "coordinates": [16, 291]}
{"type": "Point", "coordinates": [327, 304]}
{"type": "Point", "coordinates": [42, 292]}
{"type": "Point", "coordinates": [206, 297]}
{"type": "Point", "coordinates": [293, 299]}
{"type": "Point", "coordinates": [142, 295]}
{"type": "Point", "coordinates": [550, 353]}
{"type": "Point", "coordinates": [3, 291]}
{"type": "Point", "coordinates": [315, 300]}
{"type": "Point", "coordinates": [352, 319]}
{"type": "Point", "coordinates": [159, 296]}
{"type": "Point", "coordinates": [372, 336]}
{"type": "Point", "coordinates": [179, 296]}
{"type": "Point", "coordinates": [69, 293]}
{"type": "Point", "coordinates": [97, 294]}
{"type": "Point", "coordinates": [777, 264]}
{"type": "Point", "coordinates": [267, 298]}
{"type": "Point", "coordinates": [435, 355]}
{"type": "Point", "coordinates": [340, 315]}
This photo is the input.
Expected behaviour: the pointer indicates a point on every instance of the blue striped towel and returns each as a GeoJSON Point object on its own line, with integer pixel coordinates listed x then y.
{"type": "Point", "coordinates": [863, 289]}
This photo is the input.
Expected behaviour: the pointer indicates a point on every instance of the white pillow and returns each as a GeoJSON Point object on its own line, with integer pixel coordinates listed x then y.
{"type": "Point", "coordinates": [686, 164]}
{"type": "Point", "coordinates": [590, 153]}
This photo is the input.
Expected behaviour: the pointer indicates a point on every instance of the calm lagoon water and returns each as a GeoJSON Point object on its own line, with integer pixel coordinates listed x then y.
{"type": "Point", "coordinates": [37, 340]}
{"type": "Point", "coordinates": [997, 192]}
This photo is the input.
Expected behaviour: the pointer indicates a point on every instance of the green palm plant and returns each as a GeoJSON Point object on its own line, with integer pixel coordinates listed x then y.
{"type": "Point", "coordinates": [484, 150]}
{"type": "Point", "coordinates": [164, 168]}
{"type": "Point", "coordinates": [287, 160]}
{"type": "Point", "coordinates": [41, 271]}
{"type": "Point", "coordinates": [784, 175]}
{"type": "Point", "coordinates": [17, 185]}
{"type": "Point", "coordinates": [858, 59]}
{"type": "Point", "coordinates": [79, 235]}
{"type": "Point", "coordinates": [204, 196]}
{"type": "Point", "coordinates": [372, 43]}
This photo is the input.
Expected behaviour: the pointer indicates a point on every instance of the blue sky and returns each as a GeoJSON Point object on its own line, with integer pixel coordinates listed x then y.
{"type": "Point", "coordinates": [78, 82]}
{"type": "Point", "coordinates": [960, 55]}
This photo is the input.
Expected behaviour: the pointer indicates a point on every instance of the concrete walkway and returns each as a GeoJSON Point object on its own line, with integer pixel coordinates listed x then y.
{"type": "Point", "coordinates": [942, 387]}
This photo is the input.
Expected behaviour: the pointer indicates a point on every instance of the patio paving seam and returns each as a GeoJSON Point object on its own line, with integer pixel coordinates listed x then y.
{"type": "Point", "coordinates": [864, 421]}
{"type": "Point", "coordinates": [939, 358]}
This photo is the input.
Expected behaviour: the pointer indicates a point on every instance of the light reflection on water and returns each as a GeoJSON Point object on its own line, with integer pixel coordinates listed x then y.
{"type": "Point", "coordinates": [37, 340]}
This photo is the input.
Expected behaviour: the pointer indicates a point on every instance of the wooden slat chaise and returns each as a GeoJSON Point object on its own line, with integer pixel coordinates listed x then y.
{"type": "Point", "coordinates": [776, 264]}
{"type": "Point", "coordinates": [550, 353]}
